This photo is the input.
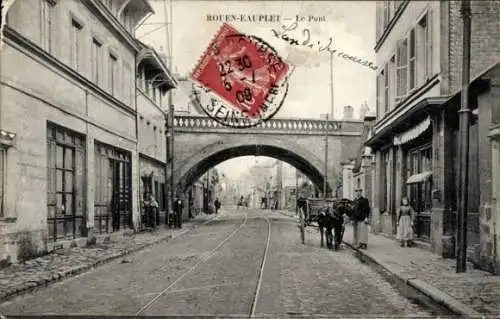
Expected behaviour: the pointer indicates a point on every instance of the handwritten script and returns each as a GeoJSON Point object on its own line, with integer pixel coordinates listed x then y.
{"type": "Point", "coordinates": [308, 42]}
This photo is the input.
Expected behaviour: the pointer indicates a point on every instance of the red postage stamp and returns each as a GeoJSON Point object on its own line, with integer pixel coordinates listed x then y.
{"type": "Point", "coordinates": [244, 71]}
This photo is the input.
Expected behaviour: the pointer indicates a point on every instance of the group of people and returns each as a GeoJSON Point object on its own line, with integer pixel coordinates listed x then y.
{"type": "Point", "coordinates": [360, 220]}
{"type": "Point", "coordinates": [405, 221]}
{"type": "Point", "coordinates": [152, 213]}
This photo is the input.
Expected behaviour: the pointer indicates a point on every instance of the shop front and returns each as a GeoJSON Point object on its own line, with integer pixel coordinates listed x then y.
{"type": "Point", "coordinates": [404, 167]}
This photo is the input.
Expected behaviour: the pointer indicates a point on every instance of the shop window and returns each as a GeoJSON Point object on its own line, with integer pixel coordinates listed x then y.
{"type": "Point", "coordinates": [421, 189]}
{"type": "Point", "coordinates": [66, 183]}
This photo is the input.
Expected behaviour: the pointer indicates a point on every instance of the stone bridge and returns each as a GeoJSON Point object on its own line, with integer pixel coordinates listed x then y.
{"type": "Point", "coordinates": [201, 143]}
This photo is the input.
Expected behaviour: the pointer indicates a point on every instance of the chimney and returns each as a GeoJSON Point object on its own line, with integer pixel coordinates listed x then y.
{"type": "Point", "coordinates": [348, 112]}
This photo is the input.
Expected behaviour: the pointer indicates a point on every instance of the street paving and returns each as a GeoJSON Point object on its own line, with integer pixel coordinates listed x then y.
{"type": "Point", "coordinates": [215, 270]}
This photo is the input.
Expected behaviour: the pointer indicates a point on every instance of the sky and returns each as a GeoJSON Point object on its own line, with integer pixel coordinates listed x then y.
{"type": "Point", "coordinates": [351, 24]}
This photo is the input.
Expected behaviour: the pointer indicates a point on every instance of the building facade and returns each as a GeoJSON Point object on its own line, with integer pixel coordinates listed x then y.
{"type": "Point", "coordinates": [357, 173]}
{"type": "Point", "coordinates": [154, 80]}
{"type": "Point", "coordinates": [415, 139]}
{"type": "Point", "coordinates": [69, 149]}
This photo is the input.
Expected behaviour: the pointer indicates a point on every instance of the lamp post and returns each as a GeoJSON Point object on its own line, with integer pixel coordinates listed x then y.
{"type": "Point", "coordinates": [463, 169]}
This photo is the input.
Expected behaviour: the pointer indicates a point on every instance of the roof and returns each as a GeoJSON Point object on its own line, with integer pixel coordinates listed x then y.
{"type": "Point", "coordinates": [149, 55]}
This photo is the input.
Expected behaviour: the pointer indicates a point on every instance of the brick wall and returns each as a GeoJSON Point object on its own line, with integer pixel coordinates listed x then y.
{"type": "Point", "coordinates": [485, 39]}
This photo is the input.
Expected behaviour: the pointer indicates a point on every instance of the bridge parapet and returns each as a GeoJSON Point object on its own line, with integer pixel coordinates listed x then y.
{"type": "Point", "coordinates": [295, 126]}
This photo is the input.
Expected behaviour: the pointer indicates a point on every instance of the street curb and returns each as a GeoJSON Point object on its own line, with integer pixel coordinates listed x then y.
{"type": "Point", "coordinates": [415, 288]}
{"type": "Point", "coordinates": [31, 286]}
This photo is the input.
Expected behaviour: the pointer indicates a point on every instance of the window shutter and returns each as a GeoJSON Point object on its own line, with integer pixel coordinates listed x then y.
{"type": "Point", "coordinates": [398, 70]}
{"type": "Point", "coordinates": [429, 48]}
{"type": "Point", "coordinates": [379, 104]}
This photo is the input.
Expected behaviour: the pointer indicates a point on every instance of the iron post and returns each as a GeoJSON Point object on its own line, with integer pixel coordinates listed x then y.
{"type": "Point", "coordinates": [325, 178]}
{"type": "Point", "coordinates": [464, 118]}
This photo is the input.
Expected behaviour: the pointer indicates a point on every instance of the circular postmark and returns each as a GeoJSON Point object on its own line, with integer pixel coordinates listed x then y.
{"type": "Point", "coordinates": [241, 81]}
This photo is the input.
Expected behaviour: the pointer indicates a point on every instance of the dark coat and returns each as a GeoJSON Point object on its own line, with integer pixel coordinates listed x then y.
{"type": "Point", "coordinates": [178, 205]}
{"type": "Point", "coordinates": [361, 209]}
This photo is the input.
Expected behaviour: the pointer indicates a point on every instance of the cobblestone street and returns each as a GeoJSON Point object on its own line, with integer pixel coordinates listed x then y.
{"type": "Point", "coordinates": [215, 269]}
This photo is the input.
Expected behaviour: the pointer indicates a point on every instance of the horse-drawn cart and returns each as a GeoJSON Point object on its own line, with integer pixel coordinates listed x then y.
{"type": "Point", "coordinates": [323, 213]}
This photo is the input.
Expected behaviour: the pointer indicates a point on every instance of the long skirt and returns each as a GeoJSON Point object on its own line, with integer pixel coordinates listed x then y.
{"type": "Point", "coordinates": [405, 229]}
{"type": "Point", "coordinates": [360, 232]}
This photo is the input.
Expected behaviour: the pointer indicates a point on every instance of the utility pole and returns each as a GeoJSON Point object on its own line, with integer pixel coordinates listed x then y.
{"type": "Point", "coordinates": [296, 191]}
{"type": "Point", "coordinates": [170, 117]}
{"type": "Point", "coordinates": [463, 169]}
{"type": "Point", "coordinates": [331, 86]}
{"type": "Point", "coordinates": [325, 178]}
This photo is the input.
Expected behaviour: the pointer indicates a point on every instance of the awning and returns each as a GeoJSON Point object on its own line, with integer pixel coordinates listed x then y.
{"type": "Point", "coordinates": [413, 132]}
{"type": "Point", "coordinates": [420, 177]}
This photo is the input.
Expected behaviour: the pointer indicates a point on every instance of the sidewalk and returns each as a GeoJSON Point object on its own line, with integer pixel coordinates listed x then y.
{"type": "Point", "coordinates": [64, 263]}
{"type": "Point", "coordinates": [473, 293]}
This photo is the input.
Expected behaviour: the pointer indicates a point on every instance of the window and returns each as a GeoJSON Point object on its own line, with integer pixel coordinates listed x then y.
{"type": "Point", "coordinates": [420, 193]}
{"type": "Point", "coordinates": [46, 20]}
{"type": "Point", "coordinates": [66, 183]}
{"type": "Point", "coordinates": [412, 61]}
{"type": "Point", "coordinates": [401, 70]}
{"type": "Point", "coordinates": [112, 74]}
{"type": "Point", "coordinates": [75, 44]}
{"type": "Point", "coordinates": [127, 84]}
{"type": "Point", "coordinates": [95, 60]}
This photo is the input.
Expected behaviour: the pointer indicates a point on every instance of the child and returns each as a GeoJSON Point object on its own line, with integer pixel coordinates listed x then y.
{"type": "Point", "coordinates": [405, 223]}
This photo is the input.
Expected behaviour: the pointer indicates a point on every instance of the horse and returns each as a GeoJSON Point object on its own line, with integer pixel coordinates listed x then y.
{"type": "Point", "coordinates": [334, 220]}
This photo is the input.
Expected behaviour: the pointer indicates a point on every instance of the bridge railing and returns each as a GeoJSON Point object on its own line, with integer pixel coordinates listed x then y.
{"type": "Point", "coordinates": [293, 125]}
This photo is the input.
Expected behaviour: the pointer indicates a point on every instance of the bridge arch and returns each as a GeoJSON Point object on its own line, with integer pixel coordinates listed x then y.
{"type": "Point", "coordinates": [200, 162]}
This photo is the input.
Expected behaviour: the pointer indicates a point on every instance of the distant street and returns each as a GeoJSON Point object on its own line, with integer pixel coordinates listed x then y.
{"type": "Point", "coordinates": [244, 262]}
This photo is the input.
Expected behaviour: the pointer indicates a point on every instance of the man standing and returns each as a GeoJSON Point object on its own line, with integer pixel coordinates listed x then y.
{"type": "Point", "coordinates": [178, 206]}
{"type": "Point", "coordinates": [360, 218]}
{"type": "Point", "coordinates": [217, 205]}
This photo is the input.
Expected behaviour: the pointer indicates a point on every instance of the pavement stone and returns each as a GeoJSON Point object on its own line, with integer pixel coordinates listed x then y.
{"type": "Point", "coordinates": [39, 272]}
{"type": "Point", "coordinates": [309, 280]}
{"type": "Point", "coordinates": [474, 292]}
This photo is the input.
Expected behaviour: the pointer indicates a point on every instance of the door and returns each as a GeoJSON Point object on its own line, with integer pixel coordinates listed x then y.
{"type": "Point", "coordinates": [66, 179]}
{"type": "Point", "coordinates": [113, 209]}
